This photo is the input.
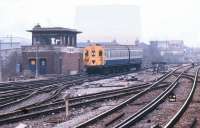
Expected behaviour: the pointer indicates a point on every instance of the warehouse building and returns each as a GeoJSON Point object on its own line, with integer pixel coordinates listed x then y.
{"type": "Point", "coordinates": [170, 51]}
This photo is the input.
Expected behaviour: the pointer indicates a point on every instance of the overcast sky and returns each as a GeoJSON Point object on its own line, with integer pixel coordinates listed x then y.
{"type": "Point", "coordinates": [160, 19]}
{"type": "Point", "coordinates": [109, 22]}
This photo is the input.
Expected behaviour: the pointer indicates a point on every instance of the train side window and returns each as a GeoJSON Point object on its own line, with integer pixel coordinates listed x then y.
{"type": "Point", "coordinates": [86, 53]}
{"type": "Point", "coordinates": [100, 53]}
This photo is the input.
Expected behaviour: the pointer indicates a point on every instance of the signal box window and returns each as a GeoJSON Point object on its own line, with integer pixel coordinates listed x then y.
{"type": "Point", "coordinates": [100, 53]}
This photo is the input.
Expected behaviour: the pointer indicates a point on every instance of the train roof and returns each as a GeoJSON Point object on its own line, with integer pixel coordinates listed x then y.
{"type": "Point", "coordinates": [114, 46]}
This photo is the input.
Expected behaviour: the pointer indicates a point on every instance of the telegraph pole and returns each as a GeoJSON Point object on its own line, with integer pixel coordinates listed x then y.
{"type": "Point", "coordinates": [36, 61]}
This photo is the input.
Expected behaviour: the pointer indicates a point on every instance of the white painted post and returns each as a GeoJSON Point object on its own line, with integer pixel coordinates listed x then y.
{"type": "Point", "coordinates": [0, 64]}
{"type": "Point", "coordinates": [66, 98]}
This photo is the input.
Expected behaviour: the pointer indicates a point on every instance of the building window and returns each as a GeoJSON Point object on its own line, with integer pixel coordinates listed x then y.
{"type": "Point", "coordinates": [100, 53]}
{"type": "Point", "coordinates": [86, 53]}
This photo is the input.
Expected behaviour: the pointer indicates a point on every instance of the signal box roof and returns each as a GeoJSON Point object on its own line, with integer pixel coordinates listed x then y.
{"type": "Point", "coordinates": [38, 28]}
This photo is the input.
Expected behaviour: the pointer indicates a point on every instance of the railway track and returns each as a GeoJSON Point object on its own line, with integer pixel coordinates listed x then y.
{"type": "Point", "coordinates": [37, 83]}
{"type": "Point", "coordinates": [42, 108]}
{"type": "Point", "coordinates": [39, 105]}
{"type": "Point", "coordinates": [58, 91]}
{"type": "Point", "coordinates": [55, 90]}
{"type": "Point", "coordinates": [8, 99]}
{"type": "Point", "coordinates": [136, 117]}
{"type": "Point", "coordinates": [184, 107]}
{"type": "Point", "coordinates": [32, 85]}
{"type": "Point", "coordinates": [108, 113]}
{"type": "Point", "coordinates": [74, 102]}
{"type": "Point", "coordinates": [148, 108]}
{"type": "Point", "coordinates": [18, 94]}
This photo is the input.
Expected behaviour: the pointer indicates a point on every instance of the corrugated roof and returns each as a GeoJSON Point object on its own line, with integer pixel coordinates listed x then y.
{"type": "Point", "coordinates": [52, 29]}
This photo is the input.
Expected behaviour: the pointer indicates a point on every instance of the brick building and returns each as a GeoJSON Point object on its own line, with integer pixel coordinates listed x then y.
{"type": "Point", "coordinates": [53, 51]}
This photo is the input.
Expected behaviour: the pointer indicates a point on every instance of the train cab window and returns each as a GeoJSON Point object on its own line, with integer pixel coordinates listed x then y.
{"type": "Point", "coordinates": [32, 61]}
{"type": "Point", "coordinates": [86, 53]}
{"type": "Point", "coordinates": [93, 53]}
{"type": "Point", "coordinates": [100, 53]}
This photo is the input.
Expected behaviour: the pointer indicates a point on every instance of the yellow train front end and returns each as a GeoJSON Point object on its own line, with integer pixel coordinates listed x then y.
{"type": "Point", "coordinates": [93, 57]}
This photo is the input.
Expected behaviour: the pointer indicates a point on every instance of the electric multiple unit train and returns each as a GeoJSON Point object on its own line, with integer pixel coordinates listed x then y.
{"type": "Point", "coordinates": [102, 58]}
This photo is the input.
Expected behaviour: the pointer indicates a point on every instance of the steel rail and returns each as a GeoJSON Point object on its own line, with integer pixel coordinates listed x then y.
{"type": "Point", "coordinates": [106, 113]}
{"type": "Point", "coordinates": [184, 107]}
{"type": "Point", "coordinates": [147, 108]}
{"type": "Point", "coordinates": [15, 116]}
{"type": "Point", "coordinates": [75, 101]}
{"type": "Point", "coordinates": [71, 83]}
{"type": "Point", "coordinates": [131, 120]}
{"type": "Point", "coordinates": [81, 97]}
{"type": "Point", "coordinates": [68, 84]}
{"type": "Point", "coordinates": [61, 108]}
